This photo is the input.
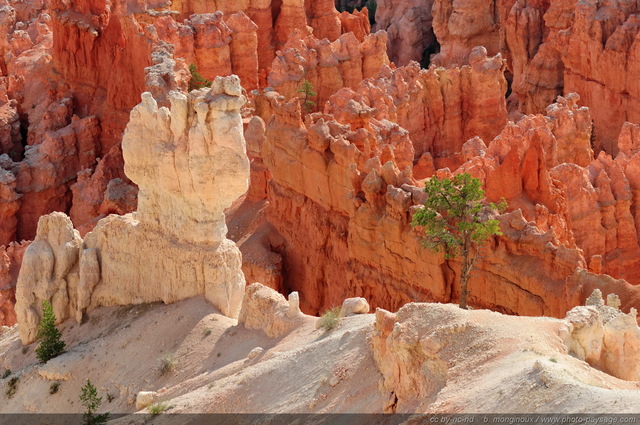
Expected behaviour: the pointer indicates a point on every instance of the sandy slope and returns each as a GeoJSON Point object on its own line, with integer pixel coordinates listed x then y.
{"type": "Point", "coordinates": [120, 349]}
{"type": "Point", "coordinates": [494, 363]}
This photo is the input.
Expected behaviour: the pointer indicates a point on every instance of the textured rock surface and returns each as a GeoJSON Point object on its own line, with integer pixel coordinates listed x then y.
{"type": "Point", "coordinates": [462, 25]}
{"type": "Point", "coordinates": [604, 336]}
{"type": "Point", "coordinates": [409, 27]}
{"type": "Point", "coordinates": [10, 262]}
{"type": "Point", "coordinates": [440, 108]}
{"type": "Point", "coordinates": [424, 350]}
{"type": "Point", "coordinates": [174, 246]}
{"type": "Point", "coordinates": [218, 44]}
{"type": "Point", "coordinates": [103, 191]}
{"type": "Point", "coordinates": [328, 66]}
{"type": "Point", "coordinates": [9, 202]}
{"type": "Point", "coordinates": [583, 47]}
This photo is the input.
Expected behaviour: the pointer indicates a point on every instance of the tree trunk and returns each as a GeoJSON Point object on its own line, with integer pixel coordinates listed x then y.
{"type": "Point", "coordinates": [465, 270]}
{"type": "Point", "coordinates": [464, 279]}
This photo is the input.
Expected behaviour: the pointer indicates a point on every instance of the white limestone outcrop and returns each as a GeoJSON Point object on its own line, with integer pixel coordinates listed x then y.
{"type": "Point", "coordinates": [189, 163]}
{"type": "Point", "coordinates": [604, 337]}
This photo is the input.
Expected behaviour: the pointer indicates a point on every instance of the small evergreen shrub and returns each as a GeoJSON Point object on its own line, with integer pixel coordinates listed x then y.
{"type": "Point", "coordinates": [49, 336]}
{"type": "Point", "coordinates": [197, 81]}
{"type": "Point", "coordinates": [306, 88]}
{"type": "Point", "coordinates": [91, 402]}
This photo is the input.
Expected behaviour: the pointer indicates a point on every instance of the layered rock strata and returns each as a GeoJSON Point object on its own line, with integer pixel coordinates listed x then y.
{"type": "Point", "coordinates": [344, 200]}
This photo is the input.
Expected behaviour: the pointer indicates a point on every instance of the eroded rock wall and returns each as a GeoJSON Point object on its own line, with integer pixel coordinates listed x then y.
{"type": "Point", "coordinates": [344, 201]}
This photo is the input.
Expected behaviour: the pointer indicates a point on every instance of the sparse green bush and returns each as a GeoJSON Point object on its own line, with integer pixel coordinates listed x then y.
{"type": "Point", "coordinates": [12, 387]}
{"type": "Point", "coordinates": [167, 364]}
{"type": "Point", "coordinates": [53, 388]}
{"type": "Point", "coordinates": [197, 81]}
{"type": "Point", "coordinates": [91, 402]}
{"type": "Point", "coordinates": [157, 408]}
{"type": "Point", "coordinates": [456, 220]}
{"type": "Point", "coordinates": [330, 319]}
{"type": "Point", "coordinates": [49, 336]}
{"type": "Point", "coordinates": [306, 88]}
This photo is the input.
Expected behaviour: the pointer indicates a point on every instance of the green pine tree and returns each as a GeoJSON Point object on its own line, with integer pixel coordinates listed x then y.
{"type": "Point", "coordinates": [49, 336]}
{"type": "Point", "coordinates": [307, 90]}
{"type": "Point", "coordinates": [456, 221]}
{"type": "Point", "coordinates": [91, 402]}
{"type": "Point", "coordinates": [197, 81]}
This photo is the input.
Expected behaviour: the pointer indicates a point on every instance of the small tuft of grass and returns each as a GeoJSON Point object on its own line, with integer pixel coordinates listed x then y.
{"type": "Point", "coordinates": [6, 374]}
{"type": "Point", "coordinates": [54, 387]}
{"type": "Point", "coordinates": [160, 407]}
{"type": "Point", "coordinates": [553, 359]}
{"type": "Point", "coordinates": [110, 397]}
{"type": "Point", "coordinates": [12, 387]}
{"type": "Point", "coordinates": [208, 331]}
{"type": "Point", "coordinates": [167, 364]}
{"type": "Point", "coordinates": [330, 319]}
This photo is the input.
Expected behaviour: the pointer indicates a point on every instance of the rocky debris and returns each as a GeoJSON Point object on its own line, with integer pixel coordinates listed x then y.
{"type": "Point", "coordinates": [145, 399]}
{"type": "Point", "coordinates": [174, 156]}
{"type": "Point", "coordinates": [267, 310]}
{"type": "Point", "coordinates": [351, 306]}
{"type": "Point", "coordinates": [255, 353]}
